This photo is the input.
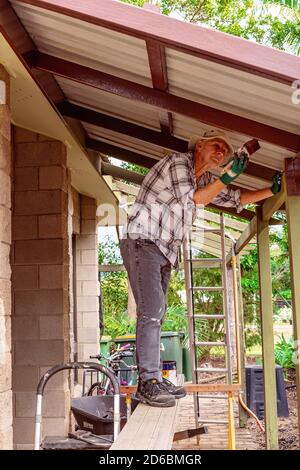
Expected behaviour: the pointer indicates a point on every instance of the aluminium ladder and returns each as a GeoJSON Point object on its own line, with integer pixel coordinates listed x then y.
{"type": "Point", "coordinates": [191, 263]}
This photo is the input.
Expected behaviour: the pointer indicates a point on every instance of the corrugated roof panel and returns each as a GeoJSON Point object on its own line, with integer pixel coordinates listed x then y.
{"type": "Point", "coordinates": [124, 141]}
{"type": "Point", "coordinates": [197, 79]}
{"type": "Point", "coordinates": [108, 103]}
{"type": "Point", "coordinates": [232, 90]}
{"type": "Point", "coordinates": [153, 151]}
{"type": "Point", "coordinates": [86, 44]}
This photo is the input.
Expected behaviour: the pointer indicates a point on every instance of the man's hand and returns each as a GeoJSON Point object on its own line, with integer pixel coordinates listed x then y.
{"type": "Point", "coordinates": [235, 168]}
{"type": "Point", "coordinates": [277, 179]}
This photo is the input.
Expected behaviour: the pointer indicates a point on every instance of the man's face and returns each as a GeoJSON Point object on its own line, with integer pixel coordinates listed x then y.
{"type": "Point", "coordinates": [213, 152]}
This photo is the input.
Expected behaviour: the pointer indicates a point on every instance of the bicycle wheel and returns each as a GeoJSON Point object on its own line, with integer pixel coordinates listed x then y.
{"type": "Point", "coordinates": [98, 388]}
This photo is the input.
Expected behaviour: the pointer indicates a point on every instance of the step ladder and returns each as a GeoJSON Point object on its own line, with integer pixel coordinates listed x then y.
{"type": "Point", "coordinates": [195, 344]}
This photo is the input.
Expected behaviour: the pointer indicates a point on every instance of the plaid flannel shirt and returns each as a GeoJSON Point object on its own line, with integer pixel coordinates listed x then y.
{"type": "Point", "coordinates": [164, 209]}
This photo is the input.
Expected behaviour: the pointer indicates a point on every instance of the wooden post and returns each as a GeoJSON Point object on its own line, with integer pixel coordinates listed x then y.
{"type": "Point", "coordinates": [231, 430]}
{"type": "Point", "coordinates": [243, 416]}
{"type": "Point", "coordinates": [293, 220]}
{"type": "Point", "coordinates": [231, 319]}
{"type": "Point", "coordinates": [266, 311]}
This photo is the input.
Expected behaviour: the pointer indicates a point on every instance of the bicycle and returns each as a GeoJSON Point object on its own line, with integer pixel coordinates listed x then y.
{"type": "Point", "coordinates": [116, 364]}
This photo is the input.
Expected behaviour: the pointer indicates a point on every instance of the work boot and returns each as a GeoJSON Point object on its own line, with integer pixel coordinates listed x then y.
{"type": "Point", "coordinates": [152, 393]}
{"type": "Point", "coordinates": [176, 391]}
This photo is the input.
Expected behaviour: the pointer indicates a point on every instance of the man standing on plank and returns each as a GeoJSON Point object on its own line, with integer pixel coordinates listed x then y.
{"type": "Point", "coordinates": [161, 216]}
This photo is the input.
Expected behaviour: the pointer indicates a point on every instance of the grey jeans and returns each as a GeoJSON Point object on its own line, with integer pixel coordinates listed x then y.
{"type": "Point", "coordinates": [149, 275]}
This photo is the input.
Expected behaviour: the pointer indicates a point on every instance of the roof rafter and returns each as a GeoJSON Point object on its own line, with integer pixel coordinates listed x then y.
{"type": "Point", "coordinates": [162, 100]}
{"type": "Point", "coordinates": [22, 43]}
{"type": "Point", "coordinates": [127, 155]}
{"type": "Point", "coordinates": [193, 39]}
{"type": "Point", "coordinates": [253, 169]}
{"type": "Point", "coordinates": [123, 127]}
{"type": "Point", "coordinates": [158, 68]}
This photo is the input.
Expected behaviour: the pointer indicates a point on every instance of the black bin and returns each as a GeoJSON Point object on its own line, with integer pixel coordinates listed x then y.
{"type": "Point", "coordinates": [95, 413]}
{"type": "Point", "coordinates": [255, 391]}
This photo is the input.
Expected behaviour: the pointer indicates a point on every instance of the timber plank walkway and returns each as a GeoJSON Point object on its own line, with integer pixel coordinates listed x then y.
{"type": "Point", "coordinates": [148, 428]}
{"type": "Point", "coordinates": [154, 428]}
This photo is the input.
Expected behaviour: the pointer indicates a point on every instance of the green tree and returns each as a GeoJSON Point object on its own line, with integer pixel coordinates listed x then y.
{"type": "Point", "coordinates": [274, 23]}
{"type": "Point", "coordinates": [113, 284]}
{"type": "Point", "coordinates": [133, 167]}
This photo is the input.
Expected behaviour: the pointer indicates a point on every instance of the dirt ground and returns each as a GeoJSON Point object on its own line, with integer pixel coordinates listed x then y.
{"type": "Point", "coordinates": [287, 427]}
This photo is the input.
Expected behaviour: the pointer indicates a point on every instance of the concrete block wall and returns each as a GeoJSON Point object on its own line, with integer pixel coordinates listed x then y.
{"type": "Point", "coordinates": [6, 433]}
{"type": "Point", "coordinates": [41, 260]}
{"type": "Point", "coordinates": [73, 230]}
{"type": "Point", "coordinates": [87, 281]}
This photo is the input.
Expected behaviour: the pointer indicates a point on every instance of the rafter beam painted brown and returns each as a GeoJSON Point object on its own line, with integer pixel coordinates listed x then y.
{"type": "Point", "coordinates": [196, 40]}
{"type": "Point", "coordinates": [19, 39]}
{"type": "Point", "coordinates": [159, 99]}
{"type": "Point", "coordinates": [158, 68]}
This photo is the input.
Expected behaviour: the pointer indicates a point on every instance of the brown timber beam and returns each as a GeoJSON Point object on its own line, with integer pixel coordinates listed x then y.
{"type": "Point", "coordinates": [158, 68]}
{"type": "Point", "coordinates": [121, 126]}
{"type": "Point", "coordinates": [141, 133]}
{"type": "Point", "coordinates": [190, 39]}
{"type": "Point", "coordinates": [292, 167]}
{"type": "Point", "coordinates": [19, 39]}
{"type": "Point", "coordinates": [161, 99]}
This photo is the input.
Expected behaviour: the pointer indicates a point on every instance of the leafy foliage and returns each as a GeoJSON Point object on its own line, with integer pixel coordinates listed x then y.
{"type": "Point", "coordinates": [281, 284]}
{"type": "Point", "coordinates": [250, 288]}
{"type": "Point", "coordinates": [284, 353]}
{"type": "Point", "coordinates": [274, 23]}
{"type": "Point", "coordinates": [118, 324]}
{"type": "Point", "coordinates": [113, 284]}
{"type": "Point", "coordinates": [133, 167]}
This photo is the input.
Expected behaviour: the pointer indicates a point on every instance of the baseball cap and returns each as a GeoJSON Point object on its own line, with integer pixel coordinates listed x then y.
{"type": "Point", "coordinates": [210, 135]}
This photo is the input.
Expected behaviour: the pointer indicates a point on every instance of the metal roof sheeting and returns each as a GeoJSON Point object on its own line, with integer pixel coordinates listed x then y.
{"type": "Point", "coordinates": [202, 81]}
{"type": "Point", "coordinates": [110, 104]}
{"type": "Point", "coordinates": [125, 141]}
{"type": "Point", "coordinates": [85, 43]}
{"type": "Point", "coordinates": [233, 90]}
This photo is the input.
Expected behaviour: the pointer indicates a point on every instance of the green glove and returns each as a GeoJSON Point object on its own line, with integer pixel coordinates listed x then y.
{"type": "Point", "coordinates": [234, 169]}
{"type": "Point", "coordinates": [276, 186]}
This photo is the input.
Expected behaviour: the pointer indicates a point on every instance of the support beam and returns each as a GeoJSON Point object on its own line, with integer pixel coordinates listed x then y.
{"type": "Point", "coordinates": [21, 42]}
{"type": "Point", "coordinates": [266, 311]}
{"type": "Point", "coordinates": [123, 173]}
{"type": "Point", "coordinates": [141, 133]}
{"type": "Point", "coordinates": [160, 99]}
{"type": "Point", "coordinates": [122, 127]}
{"type": "Point", "coordinates": [244, 214]}
{"type": "Point", "coordinates": [293, 221]}
{"type": "Point", "coordinates": [120, 153]}
{"type": "Point", "coordinates": [192, 39]}
{"type": "Point", "coordinates": [243, 416]}
{"type": "Point", "coordinates": [128, 155]}
{"type": "Point", "coordinates": [274, 203]}
{"type": "Point", "coordinates": [158, 68]}
{"type": "Point", "coordinates": [246, 236]}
